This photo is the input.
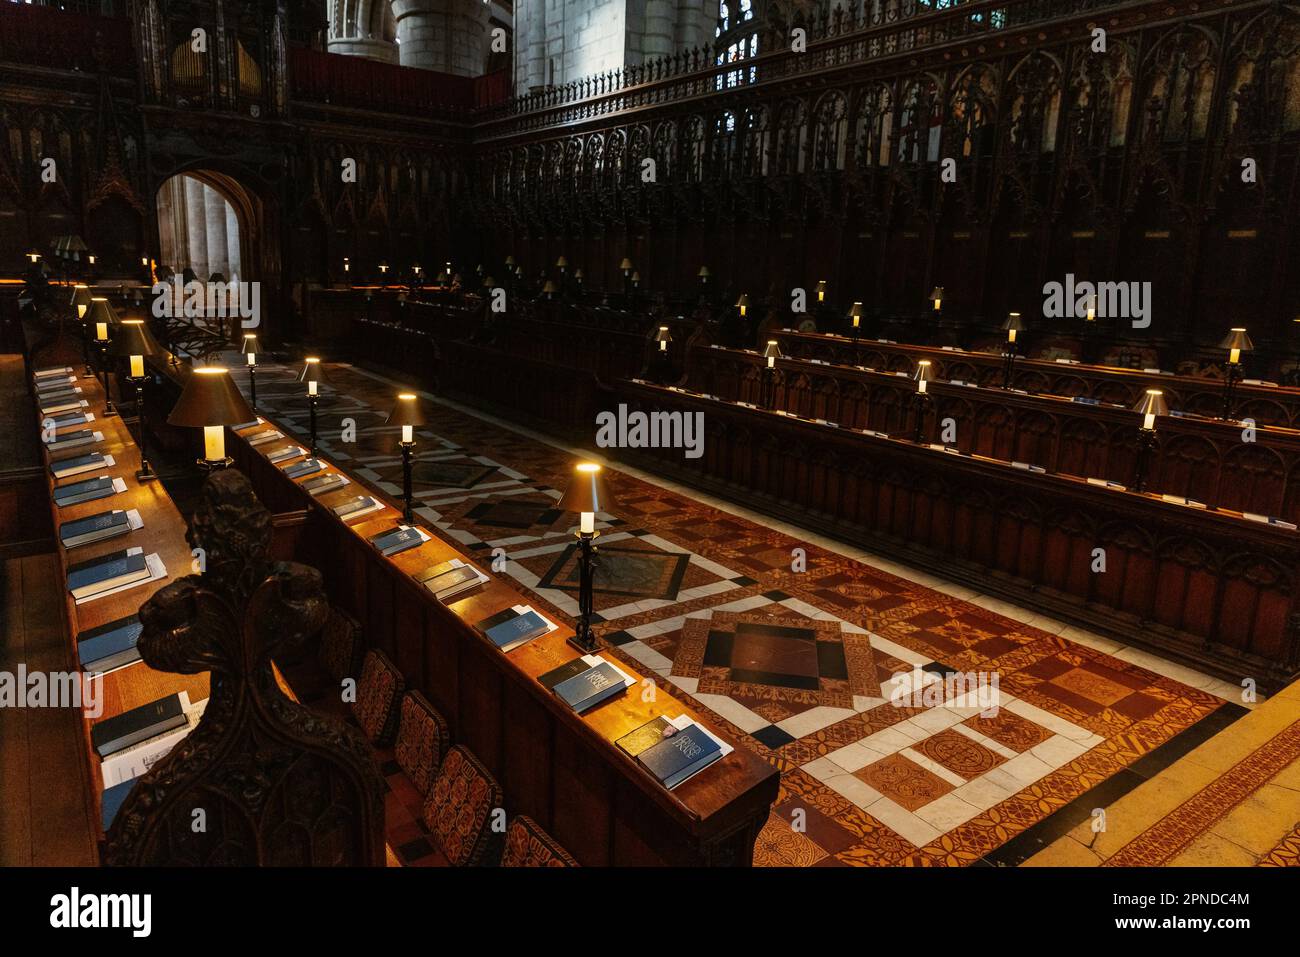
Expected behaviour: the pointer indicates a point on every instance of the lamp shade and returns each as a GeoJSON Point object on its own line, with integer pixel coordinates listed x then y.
{"type": "Point", "coordinates": [408, 410]}
{"type": "Point", "coordinates": [1013, 322]}
{"type": "Point", "coordinates": [250, 346]}
{"type": "Point", "coordinates": [704, 272]}
{"type": "Point", "coordinates": [772, 350]}
{"type": "Point", "coordinates": [101, 310]}
{"type": "Point", "coordinates": [636, 277]}
{"type": "Point", "coordinates": [510, 260]}
{"type": "Point", "coordinates": [549, 288]}
{"type": "Point", "coordinates": [81, 297]}
{"type": "Point", "coordinates": [743, 301]}
{"type": "Point", "coordinates": [561, 262]}
{"type": "Point", "coordinates": [923, 371]}
{"type": "Point", "coordinates": [312, 370]}
{"type": "Point", "coordinates": [663, 335]}
{"type": "Point", "coordinates": [134, 339]}
{"type": "Point", "coordinates": [210, 398]}
{"type": "Point", "coordinates": [587, 491]}
{"type": "Point", "coordinates": [625, 265]}
{"type": "Point", "coordinates": [855, 312]}
{"type": "Point", "coordinates": [936, 296]}
{"type": "Point", "coordinates": [1237, 339]}
{"type": "Point", "coordinates": [821, 288]}
{"type": "Point", "coordinates": [1152, 403]}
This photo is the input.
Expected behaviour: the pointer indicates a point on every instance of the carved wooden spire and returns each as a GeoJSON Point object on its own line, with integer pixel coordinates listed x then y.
{"type": "Point", "coordinates": [261, 780]}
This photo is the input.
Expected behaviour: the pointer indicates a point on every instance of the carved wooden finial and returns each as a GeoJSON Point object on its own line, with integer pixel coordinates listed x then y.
{"type": "Point", "coordinates": [261, 779]}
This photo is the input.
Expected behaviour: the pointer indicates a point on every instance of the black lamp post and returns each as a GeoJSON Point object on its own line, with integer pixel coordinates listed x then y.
{"type": "Point", "coordinates": [923, 398]}
{"type": "Point", "coordinates": [587, 494]}
{"type": "Point", "coordinates": [408, 413]}
{"type": "Point", "coordinates": [771, 353]}
{"type": "Point", "coordinates": [81, 300]}
{"type": "Point", "coordinates": [855, 319]}
{"type": "Point", "coordinates": [105, 320]}
{"type": "Point", "coordinates": [1236, 342]}
{"type": "Point", "coordinates": [936, 297]}
{"type": "Point", "coordinates": [210, 401]}
{"type": "Point", "coordinates": [663, 361]}
{"type": "Point", "coordinates": [135, 342]}
{"type": "Point", "coordinates": [1013, 325]}
{"type": "Point", "coordinates": [626, 266]}
{"type": "Point", "coordinates": [250, 350]}
{"type": "Point", "coordinates": [313, 374]}
{"type": "Point", "coordinates": [1150, 405]}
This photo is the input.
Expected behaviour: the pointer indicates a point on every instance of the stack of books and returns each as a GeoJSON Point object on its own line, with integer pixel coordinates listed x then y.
{"type": "Point", "coordinates": [139, 724]}
{"type": "Point", "coordinates": [674, 750]}
{"type": "Point", "coordinates": [356, 507]}
{"type": "Point", "coordinates": [261, 438]}
{"type": "Point", "coordinates": [53, 405]}
{"type": "Point", "coordinates": [75, 417]}
{"type": "Point", "coordinates": [304, 468]}
{"type": "Point", "coordinates": [451, 579]}
{"type": "Point", "coordinates": [121, 769]}
{"type": "Point", "coordinates": [285, 453]}
{"type": "Point", "coordinates": [515, 626]}
{"type": "Point", "coordinates": [72, 440]}
{"type": "Point", "coordinates": [398, 539]}
{"type": "Point", "coordinates": [326, 483]}
{"type": "Point", "coordinates": [114, 572]}
{"type": "Point", "coordinates": [585, 682]}
{"type": "Point", "coordinates": [63, 468]}
{"type": "Point", "coordinates": [96, 528]}
{"type": "Point", "coordinates": [110, 646]}
{"type": "Point", "coordinates": [54, 372]}
{"type": "Point", "coordinates": [87, 490]}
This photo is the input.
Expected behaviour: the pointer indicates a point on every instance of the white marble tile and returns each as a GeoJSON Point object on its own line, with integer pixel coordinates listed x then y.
{"type": "Point", "coordinates": [814, 719]}
{"type": "Point", "coordinates": [686, 684]}
{"type": "Point", "coordinates": [983, 793]}
{"type": "Point", "coordinates": [733, 711]}
{"type": "Point", "coordinates": [1058, 750]}
{"type": "Point", "coordinates": [647, 656]}
{"type": "Point", "coordinates": [947, 812]}
{"type": "Point", "coordinates": [1023, 769]}
{"type": "Point", "coordinates": [853, 756]}
{"type": "Point", "coordinates": [903, 822]}
{"type": "Point", "coordinates": [997, 747]}
{"type": "Point", "coordinates": [859, 792]}
{"type": "Point", "coordinates": [934, 767]}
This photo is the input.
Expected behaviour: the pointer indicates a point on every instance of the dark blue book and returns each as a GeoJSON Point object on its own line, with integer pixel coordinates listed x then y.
{"type": "Point", "coordinates": [139, 724]}
{"type": "Point", "coordinates": [305, 467]}
{"type": "Point", "coordinates": [70, 440]}
{"type": "Point", "coordinates": [397, 540]}
{"type": "Point", "coordinates": [591, 687]}
{"type": "Point", "coordinates": [74, 466]}
{"type": "Point", "coordinates": [675, 759]}
{"type": "Point", "coordinates": [113, 799]}
{"type": "Point", "coordinates": [94, 528]}
{"type": "Point", "coordinates": [515, 631]}
{"type": "Point", "coordinates": [85, 491]}
{"type": "Point", "coordinates": [107, 571]}
{"type": "Point", "coordinates": [110, 646]}
{"type": "Point", "coordinates": [68, 418]}
{"type": "Point", "coordinates": [563, 673]}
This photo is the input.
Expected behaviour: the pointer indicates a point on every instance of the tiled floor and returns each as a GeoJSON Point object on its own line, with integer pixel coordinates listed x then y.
{"type": "Point", "coordinates": [1235, 800]}
{"type": "Point", "coordinates": [847, 676]}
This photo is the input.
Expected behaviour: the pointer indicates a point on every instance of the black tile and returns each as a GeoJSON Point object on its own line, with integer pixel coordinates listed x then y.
{"type": "Point", "coordinates": [940, 669]}
{"type": "Point", "coordinates": [717, 649]}
{"type": "Point", "coordinates": [775, 595]}
{"type": "Point", "coordinates": [596, 617]}
{"type": "Point", "coordinates": [772, 736]}
{"type": "Point", "coordinates": [617, 637]}
{"type": "Point", "coordinates": [744, 581]}
{"type": "Point", "coordinates": [830, 661]}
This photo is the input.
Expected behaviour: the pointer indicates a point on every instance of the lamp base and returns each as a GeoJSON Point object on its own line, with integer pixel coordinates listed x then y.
{"type": "Point", "coordinates": [215, 465]}
{"type": "Point", "coordinates": [108, 411]}
{"type": "Point", "coordinates": [145, 473]}
{"type": "Point", "coordinates": [587, 648]}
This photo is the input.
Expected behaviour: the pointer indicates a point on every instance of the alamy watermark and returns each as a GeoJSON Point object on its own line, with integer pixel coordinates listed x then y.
{"type": "Point", "coordinates": [209, 300]}
{"type": "Point", "coordinates": [651, 430]}
{"type": "Point", "coordinates": [919, 688]}
{"type": "Point", "coordinates": [1107, 300]}
{"type": "Point", "coordinates": [52, 689]}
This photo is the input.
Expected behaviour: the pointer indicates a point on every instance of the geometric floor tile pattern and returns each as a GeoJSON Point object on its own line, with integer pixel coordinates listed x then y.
{"type": "Point", "coordinates": [805, 668]}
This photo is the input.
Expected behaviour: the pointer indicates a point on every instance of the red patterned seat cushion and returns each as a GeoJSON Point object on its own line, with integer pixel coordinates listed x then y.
{"type": "Point", "coordinates": [340, 646]}
{"type": "Point", "coordinates": [422, 740]}
{"type": "Point", "coordinates": [527, 845]}
{"type": "Point", "coordinates": [378, 691]}
{"type": "Point", "coordinates": [460, 809]}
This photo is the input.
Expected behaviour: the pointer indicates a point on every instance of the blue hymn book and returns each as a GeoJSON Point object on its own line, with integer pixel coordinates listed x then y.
{"type": "Point", "coordinates": [675, 759]}
{"type": "Point", "coordinates": [591, 687]}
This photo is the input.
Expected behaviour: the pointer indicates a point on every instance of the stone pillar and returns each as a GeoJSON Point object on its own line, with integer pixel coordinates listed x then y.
{"type": "Point", "coordinates": [195, 229]}
{"type": "Point", "coordinates": [372, 49]}
{"type": "Point", "coordinates": [233, 259]}
{"type": "Point", "coordinates": [445, 35]}
{"type": "Point", "coordinates": [215, 217]}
